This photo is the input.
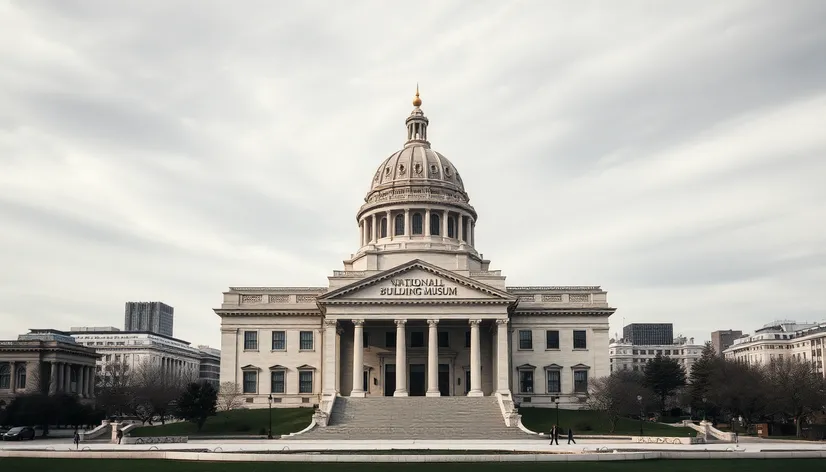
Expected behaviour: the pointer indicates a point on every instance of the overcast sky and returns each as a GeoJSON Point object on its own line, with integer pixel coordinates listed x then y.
{"type": "Point", "coordinates": [672, 152]}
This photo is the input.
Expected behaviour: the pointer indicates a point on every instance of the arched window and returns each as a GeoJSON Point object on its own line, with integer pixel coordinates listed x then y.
{"type": "Point", "coordinates": [451, 227]}
{"type": "Point", "coordinates": [383, 227]}
{"type": "Point", "coordinates": [417, 223]}
{"type": "Point", "coordinates": [435, 226]}
{"type": "Point", "coordinates": [399, 224]}
{"type": "Point", "coordinates": [5, 376]}
{"type": "Point", "coordinates": [21, 377]}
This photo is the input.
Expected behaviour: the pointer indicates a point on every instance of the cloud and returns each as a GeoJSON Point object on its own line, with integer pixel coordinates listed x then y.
{"type": "Point", "coordinates": [167, 150]}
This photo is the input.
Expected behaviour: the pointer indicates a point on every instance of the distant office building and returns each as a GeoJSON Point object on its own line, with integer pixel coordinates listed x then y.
{"type": "Point", "coordinates": [210, 366]}
{"type": "Point", "coordinates": [649, 334]}
{"type": "Point", "coordinates": [623, 355]}
{"type": "Point", "coordinates": [781, 339]}
{"type": "Point", "coordinates": [721, 340]}
{"type": "Point", "coordinates": [154, 317]}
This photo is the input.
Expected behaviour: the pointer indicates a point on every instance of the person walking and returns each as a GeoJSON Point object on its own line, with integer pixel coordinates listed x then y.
{"type": "Point", "coordinates": [554, 435]}
{"type": "Point", "coordinates": [571, 436]}
{"type": "Point", "coordinates": [76, 439]}
{"type": "Point", "coordinates": [120, 435]}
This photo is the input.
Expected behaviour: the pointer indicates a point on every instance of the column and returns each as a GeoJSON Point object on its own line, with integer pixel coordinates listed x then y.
{"type": "Point", "coordinates": [53, 378]}
{"type": "Point", "coordinates": [389, 225]}
{"type": "Point", "coordinates": [460, 231]}
{"type": "Point", "coordinates": [91, 387]}
{"type": "Point", "coordinates": [13, 384]}
{"type": "Point", "coordinates": [475, 361]}
{"type": "Point", "coordinates": [407, 231]}
{"type": "Point", "coordinates": [427, 222]}
{"type": "Point", "coordinates": [432, 359]}
{"type": "Point", "coordinates": [328, 380]}
{"type": "Point", "coordinates": [67, 377]}
{"type": "Point", "coordinates": [60, 374]}
{"type": "Point", "coordinates": [503, 368]}
{"type": "Point", "coordinates": [401, 360]}
{"type": "Point", "coordinates": [374, 229]}
{"type": "Point", "coordinates": [444, 223]}
{"type": "Point", "coordinates": [81, 377]}
{"type": "Point", "coordinates": [358, 359]}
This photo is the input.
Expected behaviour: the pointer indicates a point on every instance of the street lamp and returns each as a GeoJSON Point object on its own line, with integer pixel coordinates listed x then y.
{"type": "Point", "coordinates": [704, 408]}
{"type": "Point", "coordinates": [556, 402]}
{"type": "Point", "coordinates": [639, 400]}
{"type": "Point", "coordinates": [269, 431]}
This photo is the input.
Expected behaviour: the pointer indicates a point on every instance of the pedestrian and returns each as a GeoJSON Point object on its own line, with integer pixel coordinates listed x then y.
{"type": "Point", "coordinates": [571, 436]}
{"type": "Point", "coordinates": [120, 435]}
{"type": "Point", "coordinates": [77, 440]}
{"type": "Point", "coordinates": [554, 435]}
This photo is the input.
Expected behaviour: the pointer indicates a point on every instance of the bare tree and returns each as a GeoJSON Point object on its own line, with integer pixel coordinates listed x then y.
{"type": "Point", "coordinates": [797, 390]}
{"type": "Point", "coordinates": [155, 389]}
{"type": "Point", "coordinates": [113, 387]}
{"type": "Point", "coordinates": [616, 395]}
{"type": "Point", "coordinates": [230, 396]}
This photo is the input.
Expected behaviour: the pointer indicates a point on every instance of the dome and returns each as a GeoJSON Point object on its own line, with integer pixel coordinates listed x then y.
{"type": "Point", "coordinates": [417, 164]}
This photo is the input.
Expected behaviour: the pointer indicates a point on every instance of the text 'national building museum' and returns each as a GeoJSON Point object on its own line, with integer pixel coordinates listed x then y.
{"type": "Point", "coordinates": [416, 311]}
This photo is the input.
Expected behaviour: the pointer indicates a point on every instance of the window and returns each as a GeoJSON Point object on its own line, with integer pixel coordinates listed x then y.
{"type": "Point", "coordinates": [551, 339]}
{"type": "Point", "coordinates": [580, 340]}
{"type": "Point", "coordinates": [383, 228]}
{"type": "Point", "coordinates": [305, 341]}
{"type": "Point", "coordinates": [250, 382]}
{"type": "Point", "coordinates": [526, 381]}
{"type": "Point", "coordinates": [444, 339]}
{"type": "Point", "coordinates": [417, 339]}
{"type": "Point", "coordinates": [5, 376]}
{"type": "Point", "coordinates": [305, 381]}
{"type": "Point", "coordinates": [554, 381]}
{"type": "Point", "coordinates": [525, 339]}
{"type": "Point", "coordinates": [581, 381]}
{"type": "Point", "coordinates": [21, 377]}
{"type": "Point", "coordinates": [399, 224]}
{"type": "Point", "coordinates": [279, 341]}
{"type": "Point", "coordinates": [451, 227]}
{"type": "Point", "coordinates": [390, 339]}
{"type": "Point", "coordinates": [434, 224]}
{"type": "Point", "coordinates": [417, 223]}
{"type": "Point", "coordinates": [467, 338]}
{"type": "Point", "coordinates": [250, 340]}
{"type": "Point", "coordinates": [277, 381]}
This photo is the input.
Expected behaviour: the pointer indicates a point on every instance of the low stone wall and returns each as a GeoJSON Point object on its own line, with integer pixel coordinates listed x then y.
{"type": "Point", "coordinates": [156, 440]}
{"type": "Point", "coordinates": [591, 456]}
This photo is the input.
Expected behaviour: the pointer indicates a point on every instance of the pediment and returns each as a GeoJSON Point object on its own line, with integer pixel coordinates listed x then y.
{"type": "Point", "coordinates": [416, 280]}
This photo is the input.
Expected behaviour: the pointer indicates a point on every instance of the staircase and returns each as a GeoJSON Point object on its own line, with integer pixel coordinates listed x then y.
{"type": "Point", "coordinates": [415, 418]}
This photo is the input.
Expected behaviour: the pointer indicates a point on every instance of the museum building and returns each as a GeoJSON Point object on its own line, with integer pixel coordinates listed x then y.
{"type": "Point", "coordinates": [416, 310]}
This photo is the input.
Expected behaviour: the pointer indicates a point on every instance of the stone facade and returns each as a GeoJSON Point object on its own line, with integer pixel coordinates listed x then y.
{"type": "Point", "coordinates": [46, 361]}
{"type": "Point", "coordinates": [624, 355]}
{"type": "Point", "coordinates": [782, 339]}
{"type": "Point", "coordinates": [416, 294]}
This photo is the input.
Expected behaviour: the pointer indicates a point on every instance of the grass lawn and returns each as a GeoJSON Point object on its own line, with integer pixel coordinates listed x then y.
{"type": "Point", "coordinates": [126, 465]}
{"type": "Point", "coordinates": [237, 422]}
{"type": "Point", "coordinates": [594, 422]}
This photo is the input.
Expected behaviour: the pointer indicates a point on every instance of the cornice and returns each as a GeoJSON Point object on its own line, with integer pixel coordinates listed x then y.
{"type": "Point", "coordinates": [290, 290]}
{"type": "Point", "coordinates": [554, 288]}
{"type": "Point", "coordinates": [564, 311]}
{"type": "Point", "coordinates": [259, 312]}
{"type": "Point", "coordinates": [378, 301]}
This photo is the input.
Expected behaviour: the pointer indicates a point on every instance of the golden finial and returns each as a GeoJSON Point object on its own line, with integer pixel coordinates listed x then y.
{"type": "Point", "coordinates": [417, 102]}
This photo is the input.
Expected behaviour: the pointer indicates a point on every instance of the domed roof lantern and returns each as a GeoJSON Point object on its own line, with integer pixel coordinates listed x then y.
{"type": "Point", "coordinates": [417, 124]}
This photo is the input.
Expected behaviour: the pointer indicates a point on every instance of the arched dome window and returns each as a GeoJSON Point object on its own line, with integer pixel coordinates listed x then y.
{"type": "Point", "coordinates": [417, 223]}
{"type": "Point", "coordinates": [21, 377]}
{"type": "Point", "coordinates": [435, 224]}
{"type": "Point", "coordinates": [451, 228]}
{"type": "Point", "coordinates": [5, 376]}
{"type": "Point", "coordinates": [399, 225]}
{"type": "Point", "coordinates": [383, 227]}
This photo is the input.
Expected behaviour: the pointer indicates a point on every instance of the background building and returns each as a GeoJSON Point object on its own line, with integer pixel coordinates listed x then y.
{"type": "Point", "coordinates": [721, 340]}
{"type": "Point", "coordinates": [210, 366]}
{"type": "Point", "coordinates": [134, 348]}
{"type": "Point", "coordinates": [623, 355]}
{"type": "Point", "coordinates": [779, 340]}
{"type": "Point", "coordinates": [153, 317]}
{"type": "Point", "coordinates": [46, 361]}
{"type": "Point", "coordinates": [648, 334]}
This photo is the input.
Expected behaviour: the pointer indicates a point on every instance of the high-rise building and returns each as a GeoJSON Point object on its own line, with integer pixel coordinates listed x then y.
{"type": "Point", "coordinates": [649, 333]}
{"type": "Point", "coordinates": [721, 340]}
{"type": "Point", "coordinates": [153, 317]}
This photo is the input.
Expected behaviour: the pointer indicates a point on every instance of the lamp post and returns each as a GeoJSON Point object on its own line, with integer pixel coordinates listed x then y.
{"type": "Point", "coordinates": [269, 431]}
{"type": "Point", "coordinates": [639, 400]}
{"type": "Point", "coordinates": [704, 408]}
{"type": "Point", "coordinates": [556, 402]}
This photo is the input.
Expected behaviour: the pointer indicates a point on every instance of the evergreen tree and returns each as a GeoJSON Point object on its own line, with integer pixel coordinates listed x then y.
{"type": "Point", "coordinates": [664, 375]}
{"type": "Point", "coordinates": [197, 403]}
{"type": "Point", "coordinates": [700, 377]}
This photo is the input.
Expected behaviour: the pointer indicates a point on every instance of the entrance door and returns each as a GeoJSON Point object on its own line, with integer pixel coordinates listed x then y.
{"type": "Point", "coordinates": [444, 380]}
{"type": "Point", "coordinates": [417, 380]}
{"type": "Point", "coordinates": [389, 379]}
